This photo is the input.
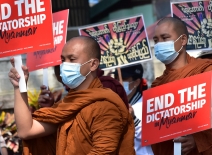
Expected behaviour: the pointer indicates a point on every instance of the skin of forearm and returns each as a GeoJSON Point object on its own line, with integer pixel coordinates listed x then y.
{"type": "Point", "coordinates": [4, 151]}
{"type": "Point", "coordinates": [23, 116]}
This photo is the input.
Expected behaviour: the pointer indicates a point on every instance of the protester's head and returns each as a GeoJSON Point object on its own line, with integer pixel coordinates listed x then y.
{"type": "Point", "coordinates": [132, 79]}
{"type": "Point", "coordinates": [80, 60]}
{"type": "Point", "coordinates": [171, 36]}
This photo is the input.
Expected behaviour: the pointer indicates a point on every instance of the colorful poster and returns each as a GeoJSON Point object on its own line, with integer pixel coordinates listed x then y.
{"type": "Point", "coordinates": [176, 109]}
{"type": "Point", "coordinates": [123, 42]}
{"type": "Point", "coordinates": [197, 16]}
{"type": "Point", "coordinates": [25, 26]}
{"type": "Point", "coordinates": [51, 57]}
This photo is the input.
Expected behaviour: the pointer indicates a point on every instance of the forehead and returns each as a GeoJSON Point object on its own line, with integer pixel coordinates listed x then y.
{"type": "Point", "coordinates": [166, 27]}
{"type": "Point", "coordinates": [75, 47]}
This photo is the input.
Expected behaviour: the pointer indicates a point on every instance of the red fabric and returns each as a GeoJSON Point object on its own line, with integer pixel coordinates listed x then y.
{"type": "Point", "coordinates": [114, 85]}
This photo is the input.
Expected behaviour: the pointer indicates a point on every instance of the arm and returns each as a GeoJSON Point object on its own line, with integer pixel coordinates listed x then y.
{"type": "Point", "coordinates": [106, 129]}
{"type": "Point", "coordinates": [3, 146]}
{"type": "Point", "coordinates": [4, 151]}
{"type": "Point", "coordinates": [26, 127]}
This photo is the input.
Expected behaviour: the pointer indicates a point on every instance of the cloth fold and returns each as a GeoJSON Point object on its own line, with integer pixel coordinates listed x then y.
{"type": "Point", "coordinates": [64, 114]}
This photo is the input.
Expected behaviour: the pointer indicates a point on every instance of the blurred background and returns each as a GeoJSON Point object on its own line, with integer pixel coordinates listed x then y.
{"type": "Point", "coordinates": [82, 13]}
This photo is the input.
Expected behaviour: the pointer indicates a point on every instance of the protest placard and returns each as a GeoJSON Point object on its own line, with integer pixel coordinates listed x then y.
{"type": "Point", "coordinates": [176, 109]}
{"type": "Point", "coordinates": [123, 42]}
{"type": "Point", "coordinates": [197, 16]}
{"type": "Point", "coordinates": [51, 57]}
{"type": "Point", "coordinates": [25, 26]}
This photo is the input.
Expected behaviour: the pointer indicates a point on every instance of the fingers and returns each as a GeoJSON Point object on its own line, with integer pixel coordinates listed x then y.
{"type": "Point", "coordinates": [14, 77]}
{"type": "Point", "coordinates": [43, 87]}
{"type": "Point", "coordinates": [12, 61]}
{"type": "Point", "coordinates": [186, 150]}
{"type": "Point", "coordinates": [180, 139]}
{"type": "Point", "coordinates": [25, 70]}
{"type": "Point", "coordinates": [44, 99]}
{"type": "Point", "coordinates": [44, 91]}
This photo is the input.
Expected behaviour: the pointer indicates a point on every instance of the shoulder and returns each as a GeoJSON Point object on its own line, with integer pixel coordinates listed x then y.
{"type": "Point", "coordinates": [157, 81]}
{"type": "Point", "coordinates": [101, 108]}
{"type": "Point", "coordinates": [206, 63]}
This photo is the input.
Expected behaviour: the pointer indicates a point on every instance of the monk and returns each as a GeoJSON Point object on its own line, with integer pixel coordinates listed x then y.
{"type": "Point", "coordinates": [90, 120]}
{"type": "Point", "coordinates": [170, 38]}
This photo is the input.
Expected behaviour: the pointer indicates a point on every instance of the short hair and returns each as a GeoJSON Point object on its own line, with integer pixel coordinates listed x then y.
{"type": "Point", "coordinates": [179, 25]}
{"type": "Point", "coordinates": [92, 46]}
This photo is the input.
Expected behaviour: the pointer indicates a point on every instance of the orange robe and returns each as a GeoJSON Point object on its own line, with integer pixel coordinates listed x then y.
{"type": "Point", "coordinates": [90, 122]}
{"type": "Point", "coordinates": [203, 139]}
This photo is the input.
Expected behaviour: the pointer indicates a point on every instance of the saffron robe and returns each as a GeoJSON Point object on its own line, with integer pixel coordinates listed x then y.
{"type": "Point", "coordinates": [203, 139]}
{"type": "Point", "coordinates": [90, 122]}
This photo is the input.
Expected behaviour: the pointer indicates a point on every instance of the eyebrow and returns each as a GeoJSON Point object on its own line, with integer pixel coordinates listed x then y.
{"type": "Point", "coordinates": [164, 34]}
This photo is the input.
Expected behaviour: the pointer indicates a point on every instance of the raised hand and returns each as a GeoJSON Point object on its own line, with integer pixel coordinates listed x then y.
{"type": "Point", "coordinates": [188, 143]}
{"type": "Point", "coordinates": [14, 76]}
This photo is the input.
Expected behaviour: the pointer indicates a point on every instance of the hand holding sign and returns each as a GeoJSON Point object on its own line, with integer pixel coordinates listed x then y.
{"type": "Point", "coordinates": [44, 100]}
{"type": "Point", "coordinates": [188, 143]}
{"type": "Point", "coordinates": [14, 75]}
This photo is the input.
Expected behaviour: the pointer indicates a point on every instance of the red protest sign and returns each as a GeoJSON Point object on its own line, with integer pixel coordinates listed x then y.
{"type": "Point", "coordinates": [51, 57]}
{"type": "Point", "coordinates": [25, 26]}
{"type": "Point", "coordinates": [175, 109]}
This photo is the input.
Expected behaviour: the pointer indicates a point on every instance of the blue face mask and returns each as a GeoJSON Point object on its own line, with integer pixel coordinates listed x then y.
{"type": "Point", "coordinates": [165, 51]}
{"type": "Point", "coordinates": [70, 74]}
{"type": "Point", "coordinates": [126, 87]}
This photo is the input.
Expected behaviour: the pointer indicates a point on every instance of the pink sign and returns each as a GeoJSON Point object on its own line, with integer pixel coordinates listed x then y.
{"type": "Point", "coordinates": [51, 57]}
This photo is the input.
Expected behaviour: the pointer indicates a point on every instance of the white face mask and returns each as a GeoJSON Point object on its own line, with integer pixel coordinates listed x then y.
{"type": "Point", "coordinates": [126, 87]}
{"type": "Point", "coordinates": [70, 74]}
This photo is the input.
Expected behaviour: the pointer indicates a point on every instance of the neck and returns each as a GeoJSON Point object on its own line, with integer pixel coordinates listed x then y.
{"type": "Point", "coordinates": [179, 62]}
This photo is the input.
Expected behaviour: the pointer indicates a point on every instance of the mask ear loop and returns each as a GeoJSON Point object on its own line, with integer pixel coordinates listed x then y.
{"type": "Point", "coordinates": [86, 62]}
{"type": "Point", "coordinates": [180, 49]}
{"type": "Point", "coordinates": [87, 74]}
{"type": "Point", "coordinates": [177, 40]}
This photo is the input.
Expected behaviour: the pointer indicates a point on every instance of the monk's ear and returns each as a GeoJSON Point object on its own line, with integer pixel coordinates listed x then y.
{"type": "Point", "coordinates": [184, 40]}
{"type": "Point", "coordinates": [94, 64]}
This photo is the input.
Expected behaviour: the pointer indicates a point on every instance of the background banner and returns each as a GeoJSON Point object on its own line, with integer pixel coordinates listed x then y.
{"type": "Point", "coordinates": [123, 42]}
{"type": "Point", "coordinates": [197, 16]}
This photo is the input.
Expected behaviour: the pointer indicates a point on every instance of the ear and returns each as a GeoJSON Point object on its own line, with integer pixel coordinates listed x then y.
{"type": "Point", "coordinates": [184, 40]}
{"type": "Point", "coordinates": [94, 65]}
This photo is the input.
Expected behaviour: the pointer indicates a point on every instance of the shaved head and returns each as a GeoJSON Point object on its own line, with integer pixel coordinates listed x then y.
{"type": "Point", "coordinates": [178, 25]}
{"type": "Point", "coordinates": [90, 46]}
